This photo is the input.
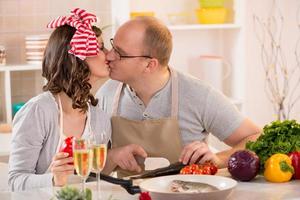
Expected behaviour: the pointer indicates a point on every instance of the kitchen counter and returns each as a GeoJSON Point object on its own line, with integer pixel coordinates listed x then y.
{"type": "Point", "coordinates": [256, 189]}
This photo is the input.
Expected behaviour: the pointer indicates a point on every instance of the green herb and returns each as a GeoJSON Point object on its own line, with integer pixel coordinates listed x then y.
{"type": "Point", "coordinates": [71, 193]}
{"type": "Point", "coordinates": [278, 137]}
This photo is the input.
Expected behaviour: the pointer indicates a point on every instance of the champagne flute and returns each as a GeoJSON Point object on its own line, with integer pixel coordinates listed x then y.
{"type": "Point", "coordinates": [99, 158]}
{"type": "Point", "coordinates": [83, 159]}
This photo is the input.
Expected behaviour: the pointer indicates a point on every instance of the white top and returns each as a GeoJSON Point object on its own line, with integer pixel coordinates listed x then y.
{"type": "Point", "coordinates": [35, 137]}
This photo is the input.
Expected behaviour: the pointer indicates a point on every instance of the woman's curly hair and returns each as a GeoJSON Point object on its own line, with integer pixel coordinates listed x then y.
{"type": "Point", "coordinates": [65, 72]}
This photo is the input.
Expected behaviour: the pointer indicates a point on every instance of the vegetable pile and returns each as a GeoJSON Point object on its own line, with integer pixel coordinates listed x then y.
{"type": "Point", "coordinates": [278, 137]}
{"type": "Point", "coordinates": [207, 168]}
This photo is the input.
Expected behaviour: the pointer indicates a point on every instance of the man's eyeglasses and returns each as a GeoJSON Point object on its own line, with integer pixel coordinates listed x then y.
{"type": "Point", "coordinates": [119, 56]}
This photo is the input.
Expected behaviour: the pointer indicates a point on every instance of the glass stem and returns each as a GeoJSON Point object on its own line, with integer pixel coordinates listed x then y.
{"type": "Point", "coordinates": [98, 185]}
{"type": "Point", "coordinates": [83, 185]}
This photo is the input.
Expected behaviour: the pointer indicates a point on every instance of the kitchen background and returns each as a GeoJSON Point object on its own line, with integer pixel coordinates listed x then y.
{"type": "Point", "coordinates": [233, 42]}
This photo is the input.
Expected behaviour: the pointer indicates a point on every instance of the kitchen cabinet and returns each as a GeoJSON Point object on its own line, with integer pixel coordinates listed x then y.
{"type": "Point", "coordinates": [191, 40]}
{"type": "Point", "coordinates": [18, 83]}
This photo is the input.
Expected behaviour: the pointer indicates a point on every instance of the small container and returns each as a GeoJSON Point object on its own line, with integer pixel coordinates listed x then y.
{"type": "Point", "coordinates": [17, 106]}
{"type": "Point", "coordinates": [141, 13]}
{"type": "Point", "coordinates": [213, 69]}
{"type": "Point", "coordinates": [211, 3]}
{"type": "Point", "coordinates": [211, 15]}
{"type": "Point", "coordinates": [2, 55]}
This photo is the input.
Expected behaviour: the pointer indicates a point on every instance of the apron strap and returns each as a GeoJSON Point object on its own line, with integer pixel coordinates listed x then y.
{"type": "Point", "coordinates": [61, 124]}
{"type": "Point", "coordinates": [174, 108]}
{"type": "Point", "coordinates": [88, 121]}
{"type": "Point", "coordinates": [117, 99]}
{"type": "Point", "coordinates": [174, 100]}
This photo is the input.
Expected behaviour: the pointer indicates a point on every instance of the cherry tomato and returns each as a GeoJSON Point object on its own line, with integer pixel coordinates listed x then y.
{"type": "Point", "coordinates": [198, 171]}
{"type": "Point", "coordinates": [186, 170]}
{"type": "Point", "coordinates": [206, 170]}
{"type": "Point", "coordinates": [194, 167]}
{"type": "Point", "coordinates": [213, 169]}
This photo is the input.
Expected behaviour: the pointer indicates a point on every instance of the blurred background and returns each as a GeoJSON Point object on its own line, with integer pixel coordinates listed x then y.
{"type": "Point", "coordinates": [215, 40]}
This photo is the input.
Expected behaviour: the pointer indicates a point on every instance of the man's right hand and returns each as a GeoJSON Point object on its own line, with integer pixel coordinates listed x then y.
{"type": "Point", "coordinates": [124, 156]}
{"type": "Point", "coordinates": [61, 169]}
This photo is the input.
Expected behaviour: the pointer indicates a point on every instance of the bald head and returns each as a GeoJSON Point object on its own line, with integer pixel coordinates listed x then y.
{"type": "Point", "coordinates": [155, 38]}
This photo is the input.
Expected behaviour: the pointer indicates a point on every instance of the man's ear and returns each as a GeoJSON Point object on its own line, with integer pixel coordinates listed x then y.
{"type": "Point", "coordinates": [153, 65]}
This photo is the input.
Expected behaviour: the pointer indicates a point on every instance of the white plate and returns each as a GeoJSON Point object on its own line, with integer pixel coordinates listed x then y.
{"type": "Point", "coordinates": [159, 187]}
{"type": "Point", "coordinates": [34, 58]}
{"type": "Point", "coordinates": [36, 37]}
{"type": "Point", "coordinates": [36, 42]}
{"type": "Point", "coordinates": [34, 53]}
{"type": "Point", "coordinates": [36, 47]}
{"type": "Point", "coordinates": [35, 62]}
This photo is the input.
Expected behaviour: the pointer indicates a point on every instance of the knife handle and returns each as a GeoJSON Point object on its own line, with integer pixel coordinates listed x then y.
{"type": "Point", "coordinates": [114, 180]}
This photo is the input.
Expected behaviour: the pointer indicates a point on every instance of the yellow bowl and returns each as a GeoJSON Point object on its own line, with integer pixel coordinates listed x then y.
{"type": "Point", "coordinates": [211, 15]}
{"type": "Point", "coordinates": [137, 14]}
{"type": "Point", "coordinates": [211, 3]}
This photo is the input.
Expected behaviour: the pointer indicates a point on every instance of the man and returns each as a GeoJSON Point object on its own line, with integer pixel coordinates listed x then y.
{"type": "Point", "coordinates": [157, 111]}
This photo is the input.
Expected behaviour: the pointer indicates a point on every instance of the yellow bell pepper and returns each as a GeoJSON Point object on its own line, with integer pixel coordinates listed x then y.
{"type": "Point", "coordinates": [278, 168]}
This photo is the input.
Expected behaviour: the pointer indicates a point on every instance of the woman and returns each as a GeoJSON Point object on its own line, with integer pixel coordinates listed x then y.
{"type": "Point", "coordinates": [73, 62]}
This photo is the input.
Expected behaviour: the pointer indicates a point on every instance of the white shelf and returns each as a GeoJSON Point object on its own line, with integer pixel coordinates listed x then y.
{"type": "Point", "coordinates": [25, 67]}
{"type": "Point", "coordinates": [204, 27]}
{"type": "Point", "coordinates": [7, 71]}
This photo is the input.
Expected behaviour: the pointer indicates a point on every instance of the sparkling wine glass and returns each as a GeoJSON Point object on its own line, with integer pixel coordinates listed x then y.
{"type": "Point", "coordinates": [83, 159]}
{"type": "Point", "coordinates": [99, 157]}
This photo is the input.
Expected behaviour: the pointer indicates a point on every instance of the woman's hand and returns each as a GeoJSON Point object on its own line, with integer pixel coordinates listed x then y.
{"type": "Point", "coordinates": [197, 152]}
{"type": "Point", "coordinates": [61, 169]}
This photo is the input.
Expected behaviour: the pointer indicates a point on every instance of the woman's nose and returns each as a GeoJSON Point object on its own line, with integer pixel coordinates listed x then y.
{"type": "Point", "coordinates": [105, 50]}
{"type": "Point", "coordinates": [109, 55]}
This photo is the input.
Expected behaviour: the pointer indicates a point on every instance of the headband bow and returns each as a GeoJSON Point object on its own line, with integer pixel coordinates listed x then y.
{"type": "Point", "coordinates": [84, 42]}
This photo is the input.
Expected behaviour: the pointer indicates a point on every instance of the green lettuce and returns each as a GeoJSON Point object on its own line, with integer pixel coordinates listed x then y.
{"type": "Point", "coordinates": [277, 137]}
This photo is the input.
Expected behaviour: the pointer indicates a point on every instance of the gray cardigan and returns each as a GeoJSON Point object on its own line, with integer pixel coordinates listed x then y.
{"type": "Point", "coordinates": [35, 137]}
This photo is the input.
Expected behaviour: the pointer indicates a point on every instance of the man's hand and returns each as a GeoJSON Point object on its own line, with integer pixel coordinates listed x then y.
{"type": "Point", "coordinates": [197, 152]}
{"type": "Point", "coordinates": [124, 156]}
{"type": "Point", "coordinates": [61, 169]}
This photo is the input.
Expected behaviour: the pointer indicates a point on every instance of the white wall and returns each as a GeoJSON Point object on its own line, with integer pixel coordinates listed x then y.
{"type": "Point", "coordinates": [257, 105]}
{"type": "Point", "coordinates": [255, 102]}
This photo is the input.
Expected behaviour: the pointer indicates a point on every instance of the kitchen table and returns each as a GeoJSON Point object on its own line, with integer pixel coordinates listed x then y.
{"type": "Point", "coordinates": [257, 189]}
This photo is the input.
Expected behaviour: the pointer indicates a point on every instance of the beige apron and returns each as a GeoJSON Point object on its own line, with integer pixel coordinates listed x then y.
{"type": "Point", "coordinates": [159, 137]}
{"type": "Point", "coordinates": [72, 179]}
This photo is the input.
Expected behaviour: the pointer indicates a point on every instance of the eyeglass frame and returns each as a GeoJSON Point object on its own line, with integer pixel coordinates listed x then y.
{"type": "Point", "coordinates": [125, 56]}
